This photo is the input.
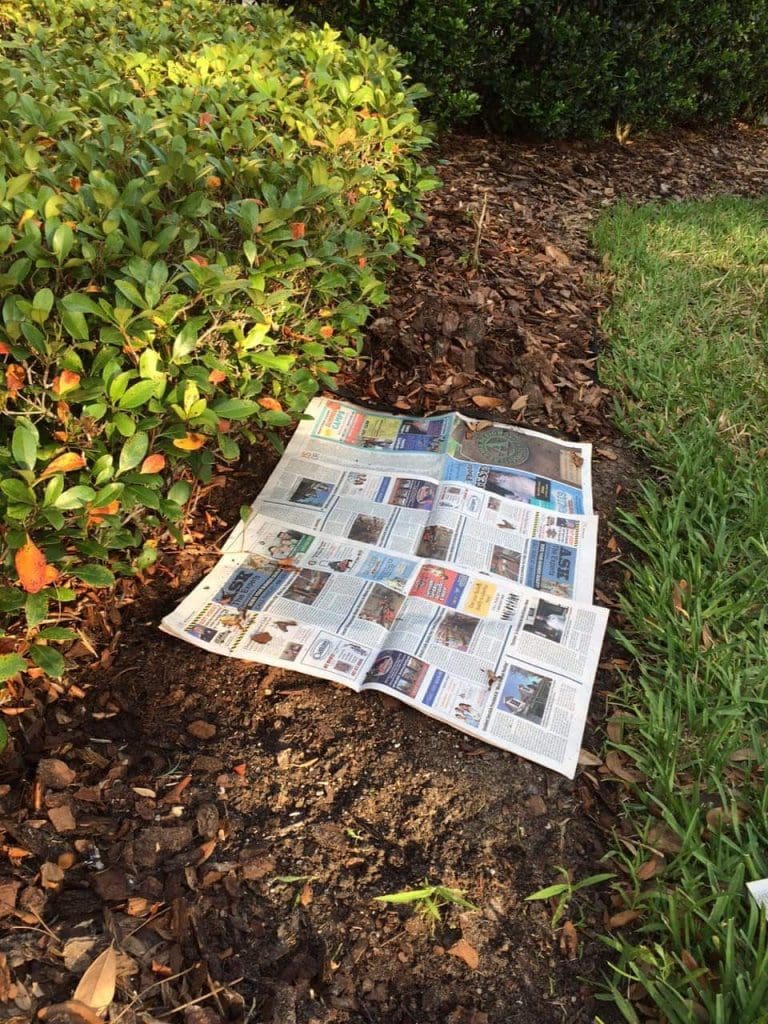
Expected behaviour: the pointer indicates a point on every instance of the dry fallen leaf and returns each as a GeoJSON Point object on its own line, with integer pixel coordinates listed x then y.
{"type": "Point", "coordinates": [557, 255]}
{"type": "Point", "coordinates": [306, 895]}
{"type": "Point", "coordinates": [486, 402]}
{"type": "Point", "coordinates": [587, 758]}
{"type": "Point", "coordinates": [569, 940]}
{"type": "Point", "coordinates": [649, 868]}
{"type": "Point", "coordinates": [707, 640]}
{"type": "Point", "coordinates": [624, 917]}
{"type": "Point", "coordinates": [615, 765]}
{"type": "Point", "coordinates": [688, 961]}
{"type": "Point", "coordinates": [465, 952]}
{"type": "Point", "coordinates": [70, 1012]}
{"type": "Point", "coordinates": [678, 590]}
{"type": "Point", "coordinates": [717, 817]}
{"type": "Point", "coordinates": [663, 839]}
{"type": "Point", "coordinates": [744, 754]}
{"type": "Point", "coordinates": [615, 727]}
{"type": "Point", "coordinates": [97, 986]}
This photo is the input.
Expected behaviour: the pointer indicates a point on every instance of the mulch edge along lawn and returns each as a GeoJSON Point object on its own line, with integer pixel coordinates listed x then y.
{"type": "Point", "coordinates": [687, 355]}
{"type": "Point", "coordinates": [526, 317]}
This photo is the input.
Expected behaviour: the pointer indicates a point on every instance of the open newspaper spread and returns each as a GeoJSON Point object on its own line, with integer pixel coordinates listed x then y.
{"type": "Point", "coordinates": [446, 561]}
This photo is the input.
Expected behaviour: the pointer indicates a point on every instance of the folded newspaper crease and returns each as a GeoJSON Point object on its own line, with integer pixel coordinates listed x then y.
{"type": "Point", "coordinates": [447, 561]}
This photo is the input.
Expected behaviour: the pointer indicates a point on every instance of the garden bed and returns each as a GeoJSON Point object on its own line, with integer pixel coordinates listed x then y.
{"type": "Point", "coordinates": [277, 777]}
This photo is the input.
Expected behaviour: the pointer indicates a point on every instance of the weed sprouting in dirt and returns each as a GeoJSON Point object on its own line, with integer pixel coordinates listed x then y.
{"type": "Point", "coordinates": [429, 901]}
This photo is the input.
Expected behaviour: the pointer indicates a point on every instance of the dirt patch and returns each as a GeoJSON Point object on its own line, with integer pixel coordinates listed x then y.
{"type": "Point", "coordinates": [228, 825]}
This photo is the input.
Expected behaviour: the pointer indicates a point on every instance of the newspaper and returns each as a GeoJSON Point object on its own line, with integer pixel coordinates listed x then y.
{"type": "Point", "coordinates": [446, 561]}
{"type": "Point", "coordinates": [759, 892]}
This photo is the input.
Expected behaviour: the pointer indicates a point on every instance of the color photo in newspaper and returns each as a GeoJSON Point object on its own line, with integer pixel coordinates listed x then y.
{"type": "Point", "coordinates": [446, 561]}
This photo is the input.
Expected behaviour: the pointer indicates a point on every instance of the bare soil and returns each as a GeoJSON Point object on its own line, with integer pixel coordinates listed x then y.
{"type": "Point", "coordinates": [228, 825]}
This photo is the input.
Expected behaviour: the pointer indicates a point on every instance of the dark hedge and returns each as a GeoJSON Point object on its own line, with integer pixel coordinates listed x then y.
{"type": "Point", "coordinates": [555, 68]}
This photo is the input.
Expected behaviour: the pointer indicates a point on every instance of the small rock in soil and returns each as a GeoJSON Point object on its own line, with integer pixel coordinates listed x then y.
{"type": "Point", "coordinates": [201, 729]}
{"type": "Point", "coordinates": [54, 774]}
{"type": "Point", "coordinates": [154, 844]}
{"type": "Point", "coordinates": [207, 820]}
{"type": "Point", "coordinates": [112, 884]}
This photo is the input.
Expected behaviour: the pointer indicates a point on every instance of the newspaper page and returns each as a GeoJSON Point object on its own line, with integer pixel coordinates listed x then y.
{"type": "Point", "coordinates": [403, 555]}
{"type": "Point", "coordinates": [429, 499]}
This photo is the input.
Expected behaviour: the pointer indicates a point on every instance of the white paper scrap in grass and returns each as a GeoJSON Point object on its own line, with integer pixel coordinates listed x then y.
{"type": "Point", "coordinates": [759, 892]}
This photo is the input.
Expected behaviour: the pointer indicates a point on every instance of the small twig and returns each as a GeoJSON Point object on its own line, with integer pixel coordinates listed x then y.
{"type": "Point", "coordinates": [479, 233]}
{"type": "Point", "coordinates": [208, 978]}
{"type": "Point", "coordinates": [42, 923]}
{"type": "Point", "coordinates": [200, 999]}
{"type": "Point", "coordinates": [140, 995]}
{"type": "Point", "coordinates": [149, 920]}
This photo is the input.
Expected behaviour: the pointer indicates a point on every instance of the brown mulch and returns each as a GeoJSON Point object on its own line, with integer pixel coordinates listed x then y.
{"type": "Point", "coordinates": [227, 826]}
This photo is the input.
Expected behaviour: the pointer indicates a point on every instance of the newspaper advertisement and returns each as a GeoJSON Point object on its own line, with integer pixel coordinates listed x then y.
{"type": "Point", "coordinates": [420, 558]}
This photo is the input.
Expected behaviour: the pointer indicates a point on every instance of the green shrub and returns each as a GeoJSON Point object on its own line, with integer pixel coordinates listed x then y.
{"type": "Point", "coordinates": [198, 204]}
{"type": "Point", "coordinates": [559, 68]}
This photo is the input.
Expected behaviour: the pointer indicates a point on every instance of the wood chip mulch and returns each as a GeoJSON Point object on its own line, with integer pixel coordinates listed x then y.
{"type": "Point", "coordinates": [222, 827]}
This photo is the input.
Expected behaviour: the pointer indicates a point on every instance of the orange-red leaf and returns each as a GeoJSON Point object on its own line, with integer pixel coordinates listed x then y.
{"type": "Point", "coordinates": [326, 331]}
{"type": "Point", "coordinates": [15, 376]}
{"type": "Point", "coordinates": [201, 261]}
{"type": "Point", "coordinates": [96, 515]}
{"type": "Point", "coordinates": [32, 567]}
{"type": "Point", "coordinates": [5, 348]}
{"type": "Point", "coordinates": [64, 464]}
{"type": "Point", "coordinates": [66, 381]}
{"type": "Point", "coordinates": [153, 464]}
{"type": "Point", "coordinates": [216, 376]}
{"type": "Point", "coordinates": [298, 229]}
{"type": "Point", "coordinates": [213, 181]}
{"type": "Point", "coordinates": [270, 403]}
{"type": "Point", "coordinates": [204, 120]}
{"type": "Point", "coordinates": [190, 443]}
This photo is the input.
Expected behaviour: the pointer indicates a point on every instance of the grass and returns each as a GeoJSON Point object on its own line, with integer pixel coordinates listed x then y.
{"type": "Point", "coordinates": [688, 358]}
